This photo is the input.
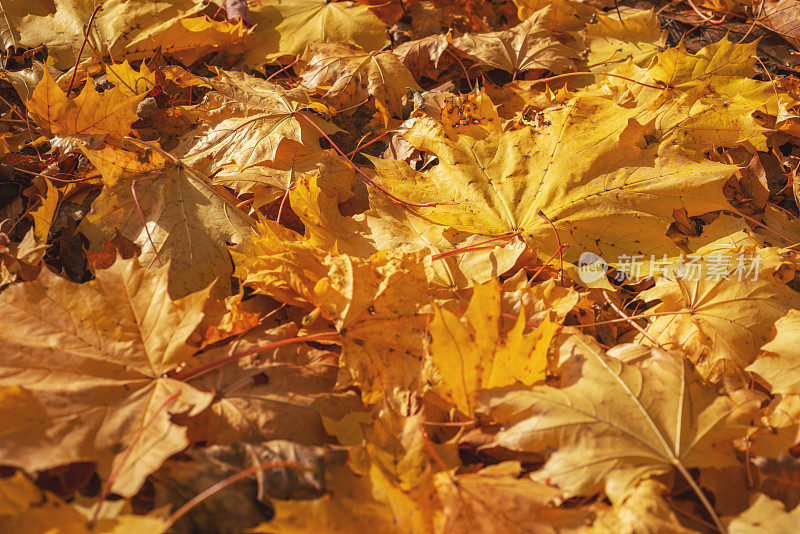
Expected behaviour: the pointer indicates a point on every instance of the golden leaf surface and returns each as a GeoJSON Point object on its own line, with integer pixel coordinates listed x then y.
{"type": "Point", "coordinates": [616, 423]}
{"type": "Point", "coordinates": [587, 164]}
{"type": "Point", "coordinates": [91, 361]}
{"type": "Point", "coordinates": [90, 113]}
{"type": "Point", "coordinates": [474, 353]}
{"type": "Point", "coordinates": [529, 45]}
{"type": "Point", "coordinates": [188, 219]}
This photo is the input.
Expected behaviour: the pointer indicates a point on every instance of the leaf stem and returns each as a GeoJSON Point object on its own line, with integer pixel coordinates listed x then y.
{"type": "Point", "coordinates": [567, 74]}
{"type": "Point", "coordinates": [469, 82]}
{"type": "Point", "coordinates": [560, 249]}
{"type": "Point", "coordinates": [630, 321]}
{"type": "Point", "coordinates": [186, 375]}
{"type": "Point", "coordinates": [83, 45]}
{"type": "Point", "coordinates": [475, 247]}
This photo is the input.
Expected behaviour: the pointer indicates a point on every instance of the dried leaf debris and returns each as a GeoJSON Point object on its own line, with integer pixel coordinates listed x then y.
{"type": "Point", "coordinates": [419, 266]}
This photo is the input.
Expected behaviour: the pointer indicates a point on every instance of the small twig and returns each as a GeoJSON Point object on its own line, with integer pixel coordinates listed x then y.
{"type": "Point", "coordinates": [560, 251]}
{"type": "Point", "coordinates": [280, 208]}
{"type": "Point", "coordinates": [705, 17]}
{"type": "Point", "coordinates": [365, 145]}
{"type": "Point", "coordinates": [639, 316]}
{"type": "Point", "coordinates": [47, 176]}
{"type": "Point", "coordinates": [469, 82]}
{"type": "Point", "coordinates": [222, 484]}
{"type": "Point", "coordinates": [282, 69]}
{"type": "Point", "coordinates": [359, 171]}
{"type": "Point", "coordinates": [483, 245]}
{"type": "Point", "coordinates": [762, 225]}
{"type": "Point", "coordinates": [545, 264]}
{"type": "Point", "coordinates": [630, 321]}
{"type": "Point", "coordinates": [83, 45]}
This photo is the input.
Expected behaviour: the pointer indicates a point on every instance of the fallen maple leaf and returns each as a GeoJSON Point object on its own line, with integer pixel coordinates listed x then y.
{"type": "Point", "coordinates": [191, 38]}
{"type": "Point", "coordinates": [90, 113]}
{"type": "Point", "coordinates": [288, 25]}
{"type": "Point", "coordinates": [776, 365]}
{"type": "Point", "coordinates": [476, 353]}
{"type": "Point", "coordinates": [242, 124]}
{"type": "Point", "coordinates": [172, 213]}
{"type": "Point", "coordinates": [279, 395]}
{"type": "Point", "coordinates": [615, 423]}
{"type": "Point", "coordinates": [586, 165]}
{"type": "Point", "coordinates": [499, 499]}
{"type": "Point", "coordinates": [26, 508]}
{"type": "Point", "coordinates": [378, 307]}
{"type": "Point", "coordinates": [129, 80]}
{"type": "Point", "coordinates": [529, 45]}
{"type": "Point", "coordinates": [642, 509]}
{"type": "Point", "coordinates": [721, 322]}
{"type": "Point", "coordinates": [115, 30]}
{"type": "Point", "coordinates": [91, 361]}
{"type": "Point", "coordinates": [350, 76]}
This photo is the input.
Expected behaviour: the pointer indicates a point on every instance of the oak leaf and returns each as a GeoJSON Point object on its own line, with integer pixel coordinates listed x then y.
{"type": "Point", "coordinates": [90, 361]}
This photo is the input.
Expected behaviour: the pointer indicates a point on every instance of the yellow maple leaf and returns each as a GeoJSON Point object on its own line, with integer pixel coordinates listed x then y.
{"type": "Point", "coordinates": [474, 353]}
{"type": "Point", "coordinates": [528, 45]}
{"type": "Point", "coordinates": [286, 26]}
{"type": "Point", "coordinates": [90, 113]}
{"type": "Point", "coordinates": [91, 361]}
{"type": "Point", "coordinates": [587, 166]}
{"type": "Point", "coordinates": [176, 215]}
{"type": "Point", "coordinates": [349, 76]}
{"type": "Point", "coordinates": [26, 508]}
{"type": "Point", "coordinates": [129, 80]}
{"type": "Point", "coordinates": [611, 424]}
